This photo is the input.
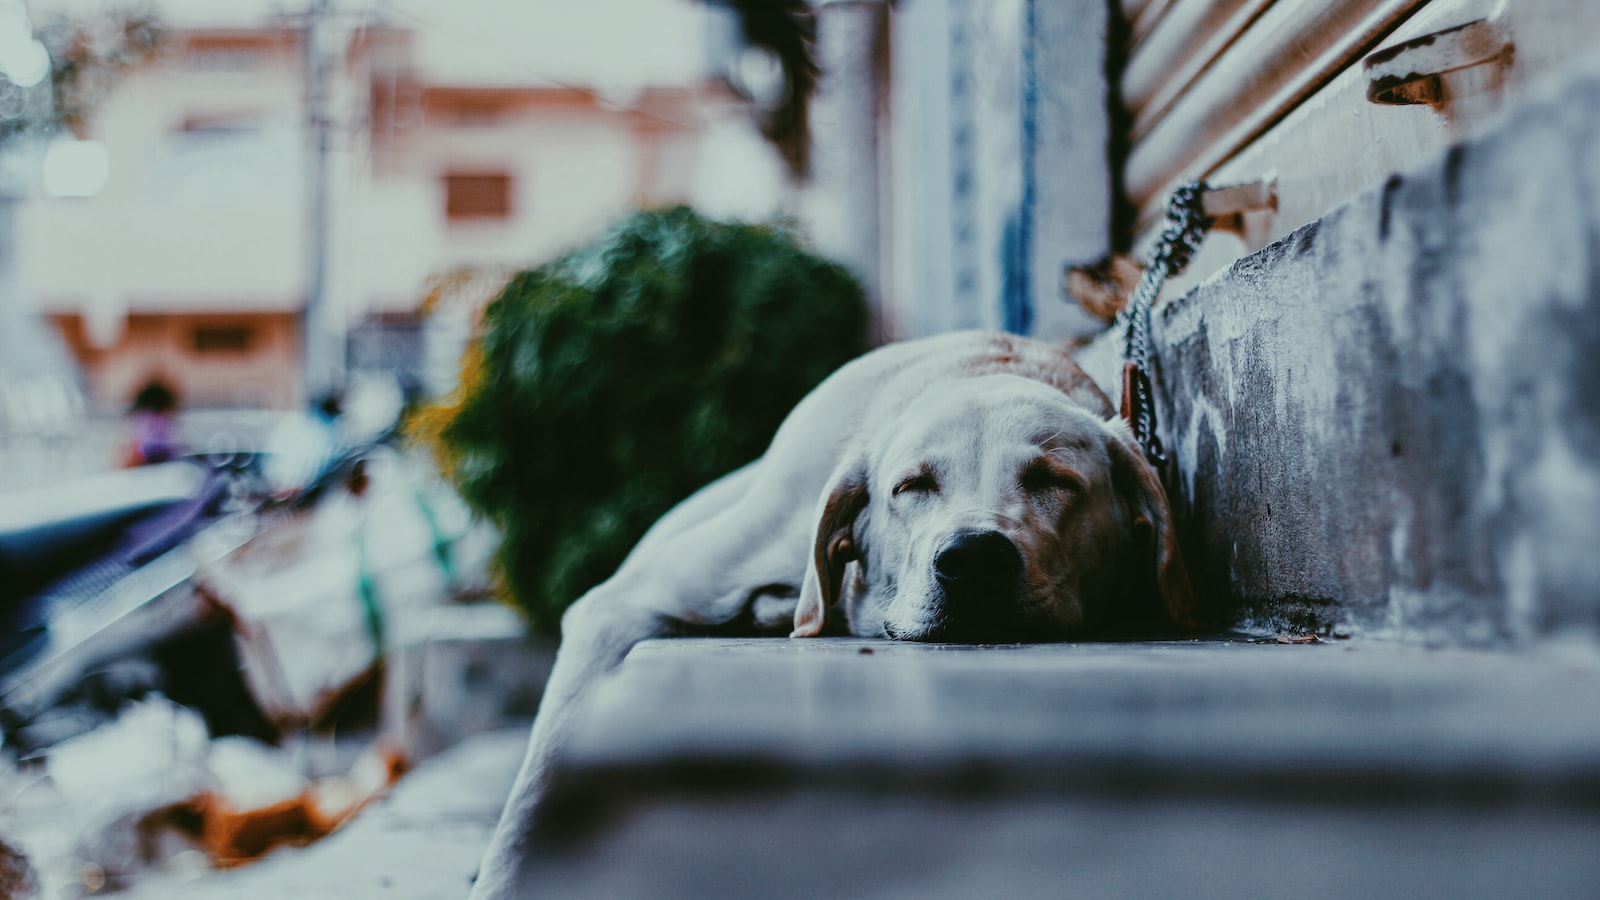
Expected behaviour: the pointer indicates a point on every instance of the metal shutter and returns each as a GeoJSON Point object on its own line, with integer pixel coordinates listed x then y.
{"type": "Point", "coordinates": [1315, 101]}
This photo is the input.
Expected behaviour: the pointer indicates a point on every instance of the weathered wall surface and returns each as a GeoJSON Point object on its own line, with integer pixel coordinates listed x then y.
{"type": "Point", "coordinates": [1389, 421]}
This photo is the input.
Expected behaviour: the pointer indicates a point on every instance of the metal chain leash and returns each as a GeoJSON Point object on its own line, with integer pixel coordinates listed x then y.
{"type": "Point", "coordinates": [1185, 228]}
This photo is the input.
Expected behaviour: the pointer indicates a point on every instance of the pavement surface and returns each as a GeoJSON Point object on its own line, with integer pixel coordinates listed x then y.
{"type": "Point", "coordinates": [843, 768]}
{"type": "Point", "coordinates": [421, 842]}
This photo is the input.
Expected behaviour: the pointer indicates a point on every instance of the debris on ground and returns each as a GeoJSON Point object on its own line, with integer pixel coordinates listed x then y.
{"type": "Point", "coordinates": [17, 878]}
{"type": "Point", "coordinates": [151, 791]}
{"type": "Point", "coordinates": [177, 715]}
{"type": "Point", "coordinates": [315, 598]}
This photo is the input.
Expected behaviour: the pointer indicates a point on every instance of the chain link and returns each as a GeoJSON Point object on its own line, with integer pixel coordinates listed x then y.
{"type": "Point", "coordinates": [1184, 230]}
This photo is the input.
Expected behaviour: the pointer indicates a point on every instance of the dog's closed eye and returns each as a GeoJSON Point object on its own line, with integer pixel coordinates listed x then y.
{"type": "Point", "coordinates": [1044, 474]}
{"type": "Point", "coordinates": [921, 481]}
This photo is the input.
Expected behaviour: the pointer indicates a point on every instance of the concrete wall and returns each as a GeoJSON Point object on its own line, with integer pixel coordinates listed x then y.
{"type": "Point", "coordinates": [1389, 421]}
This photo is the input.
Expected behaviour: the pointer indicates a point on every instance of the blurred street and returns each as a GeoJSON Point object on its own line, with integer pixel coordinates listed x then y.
{"type": "Point", "coordinates": [86, 446]}
{"type": "Point", "coordinates": [242, 247]}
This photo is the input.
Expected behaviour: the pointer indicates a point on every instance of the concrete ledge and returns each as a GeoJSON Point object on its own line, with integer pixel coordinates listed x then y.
{"type": "Point", "coordinates": [1201, 716]}
{"type": "Point", "coordinates": [810, 844]}
{"type": "Point", "coordinates": [866, 768]}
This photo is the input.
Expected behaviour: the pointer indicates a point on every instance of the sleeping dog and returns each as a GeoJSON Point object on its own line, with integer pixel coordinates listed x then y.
{"type": "Point", "coordinates": [970, 487]}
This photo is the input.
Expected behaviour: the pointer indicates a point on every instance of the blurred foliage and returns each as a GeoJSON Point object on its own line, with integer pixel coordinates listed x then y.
{"type": "Point", "coordinates": [611, 383]}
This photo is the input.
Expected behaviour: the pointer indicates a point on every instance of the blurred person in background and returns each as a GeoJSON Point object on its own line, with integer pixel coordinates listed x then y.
{"type": "Point", "coordinates": [153, 421]}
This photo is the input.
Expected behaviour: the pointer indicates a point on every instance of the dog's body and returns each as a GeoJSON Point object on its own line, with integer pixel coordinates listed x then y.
{"type": "Point", "coordinates": [968, 487]}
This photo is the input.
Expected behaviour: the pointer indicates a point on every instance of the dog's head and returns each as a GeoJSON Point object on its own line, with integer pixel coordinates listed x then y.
{"type": "Point", "coordinates": [994, 510]}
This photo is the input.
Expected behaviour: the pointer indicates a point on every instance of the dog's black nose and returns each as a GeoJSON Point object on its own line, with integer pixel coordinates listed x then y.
{"type": "Point", "coordinates": [976, 564]}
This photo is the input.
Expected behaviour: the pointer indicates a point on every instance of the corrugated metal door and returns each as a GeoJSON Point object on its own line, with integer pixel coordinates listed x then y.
{"type": "Point", "coordinates": [1318, 100]}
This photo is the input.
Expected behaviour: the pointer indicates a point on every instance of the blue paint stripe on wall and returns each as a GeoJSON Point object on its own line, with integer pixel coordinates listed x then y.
{"type": "Point", "coordinates": [1017, 242]}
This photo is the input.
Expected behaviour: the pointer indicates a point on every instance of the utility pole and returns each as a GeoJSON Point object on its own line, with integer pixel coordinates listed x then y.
{"type": "Point", "coordinates": [321, 328]}
{"type": "Point", "coordinates": [845, 199]}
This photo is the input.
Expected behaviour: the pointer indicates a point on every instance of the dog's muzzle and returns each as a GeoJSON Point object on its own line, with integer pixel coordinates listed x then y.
{"type": "Point", "coordinates": [978, 573]}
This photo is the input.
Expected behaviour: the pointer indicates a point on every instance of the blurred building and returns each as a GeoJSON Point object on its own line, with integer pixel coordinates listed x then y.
{"type": "Point", "coordinates": [342, 155]}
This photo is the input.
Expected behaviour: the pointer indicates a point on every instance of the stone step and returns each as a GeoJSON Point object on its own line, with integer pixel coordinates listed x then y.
{"type": "Point", "coordinates": [1206, 768]}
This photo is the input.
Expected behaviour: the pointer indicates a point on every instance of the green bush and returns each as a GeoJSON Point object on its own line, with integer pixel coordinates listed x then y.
{"type": "Point", "coordinates": [611, 383]}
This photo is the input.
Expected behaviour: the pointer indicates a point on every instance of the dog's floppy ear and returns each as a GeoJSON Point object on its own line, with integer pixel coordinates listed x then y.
{"type": "Point", "coordinates": [1139, 485]}
{"type": "Point", "coordinates": [837, 544]}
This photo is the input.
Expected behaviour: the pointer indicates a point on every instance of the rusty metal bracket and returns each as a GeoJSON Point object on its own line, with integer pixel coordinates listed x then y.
{"type": "Point", "coordinates": [1416, 71]}
{"type": "Point", "coordinates": [1102, 287]}
{"type": "Point", "coordinates": [1237, 199]}
{"type": "Point", "coordinates": [1241, 208]}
